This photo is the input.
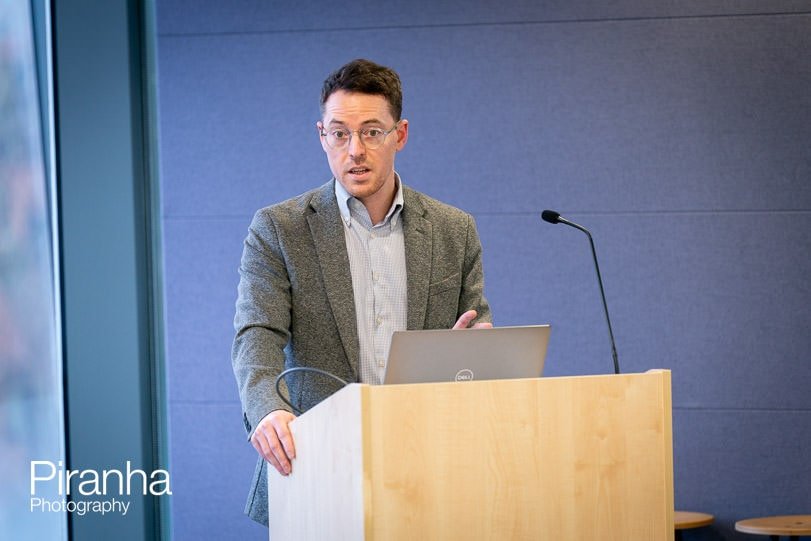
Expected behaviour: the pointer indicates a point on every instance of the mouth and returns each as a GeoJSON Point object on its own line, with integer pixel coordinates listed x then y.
{"type": "Point", "coordinates": [359, 171]}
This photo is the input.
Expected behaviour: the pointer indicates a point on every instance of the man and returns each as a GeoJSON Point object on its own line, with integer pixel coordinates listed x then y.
{"type": "Point", "coordinates": [328, 276]}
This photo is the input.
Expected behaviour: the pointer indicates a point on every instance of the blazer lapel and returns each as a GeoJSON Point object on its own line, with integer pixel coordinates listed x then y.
{"type": "Point", "coordinates": [328, 235]}
{"type": "Point", "coordinates": [417, 234]}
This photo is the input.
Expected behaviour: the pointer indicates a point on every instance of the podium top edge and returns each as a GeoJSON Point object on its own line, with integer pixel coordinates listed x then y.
{"type": "Point", "coordinates": [651, 372]}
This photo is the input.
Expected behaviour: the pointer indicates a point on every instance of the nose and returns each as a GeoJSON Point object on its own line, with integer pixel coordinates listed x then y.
{"type": "Point", "coordinates": [356, 147]}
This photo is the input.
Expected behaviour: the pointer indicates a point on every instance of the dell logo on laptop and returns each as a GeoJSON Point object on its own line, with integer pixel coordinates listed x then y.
{"type": "Point", "coordinates": [464, 374]}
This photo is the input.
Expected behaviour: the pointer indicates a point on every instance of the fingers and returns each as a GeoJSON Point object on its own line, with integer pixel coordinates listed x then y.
{"type": "Point", "coordinates": [465, 320]}
{"type": "Point", "coordinates": [286, 437]}
{"type": "Point", "coordinates": [274, 442]}
{"type": "Point", "coordinates": [262, 447]}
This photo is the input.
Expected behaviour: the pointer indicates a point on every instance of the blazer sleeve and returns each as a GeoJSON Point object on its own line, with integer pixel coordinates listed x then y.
{"type": "Point", "coordinates": [262, 320]}
{"type": "Point", "coordinates": [471, 296]}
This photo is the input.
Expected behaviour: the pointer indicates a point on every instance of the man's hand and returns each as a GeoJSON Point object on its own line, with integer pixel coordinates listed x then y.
{"type": "Point", "coordinates": [274, 442]}
{"type": "Point", "coordinates": [466, 318]}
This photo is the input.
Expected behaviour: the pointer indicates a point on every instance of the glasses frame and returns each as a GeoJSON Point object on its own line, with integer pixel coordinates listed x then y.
{"type": "Point", "coordinates": [323, 133]}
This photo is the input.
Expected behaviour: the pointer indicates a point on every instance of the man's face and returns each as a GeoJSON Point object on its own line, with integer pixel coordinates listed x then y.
{"type": "Point", "coordinates": [367, 174]}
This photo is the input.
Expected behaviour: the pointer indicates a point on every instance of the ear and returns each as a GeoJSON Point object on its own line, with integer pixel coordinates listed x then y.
{"type": "Point", "coordinates": [402, 134]}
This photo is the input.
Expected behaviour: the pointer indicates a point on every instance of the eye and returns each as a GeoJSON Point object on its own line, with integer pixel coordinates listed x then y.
{"type": "Point", "coordinates": [339, 134]}
{"type": "Point", "coordinates": [373, 132]}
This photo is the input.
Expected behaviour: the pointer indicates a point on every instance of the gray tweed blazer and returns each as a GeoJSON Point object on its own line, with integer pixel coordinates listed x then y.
{"type": "Point", "coordinates": [296, 307]}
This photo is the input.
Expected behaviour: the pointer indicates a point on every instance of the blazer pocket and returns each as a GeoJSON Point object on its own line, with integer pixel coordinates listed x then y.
{"type": "Point", "coordinates": [451, 282]}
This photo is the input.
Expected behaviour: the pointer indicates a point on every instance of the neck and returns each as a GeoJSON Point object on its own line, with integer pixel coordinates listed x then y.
{"type": "Point", "coordinates": [379, 203]}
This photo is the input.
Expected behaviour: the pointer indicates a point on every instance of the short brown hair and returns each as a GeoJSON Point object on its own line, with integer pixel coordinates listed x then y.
{"type": "Point", "coordinates": [366, 77]}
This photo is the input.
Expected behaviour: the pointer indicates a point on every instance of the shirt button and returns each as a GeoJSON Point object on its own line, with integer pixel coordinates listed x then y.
{"type": "Point", "coordinates": [375, 276]}
{"type": "Point", "coordinates": [379, 321]}
{"type": "Point", "coordinates": [381, 363]}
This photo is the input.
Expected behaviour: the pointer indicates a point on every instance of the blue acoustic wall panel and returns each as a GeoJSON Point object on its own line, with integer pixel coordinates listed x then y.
{"type": "Point", "coordinates": [212, 466]}
{"type": "Point", "coordinates": [680, 133]}
{"type": "Point", "coordinates": [200, 299]}
{"type": "Point", "coordinates": [721, 299]}
{"type": "Point", "coordinates": [741, 463]}
{"type": "Point", "coordinates": [568, 115]}
{"type": "Point", "coordinates": [252, 16]}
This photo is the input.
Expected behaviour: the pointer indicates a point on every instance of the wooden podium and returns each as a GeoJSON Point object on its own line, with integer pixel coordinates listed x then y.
{"type": "Point", "coordinates": [566, 458]}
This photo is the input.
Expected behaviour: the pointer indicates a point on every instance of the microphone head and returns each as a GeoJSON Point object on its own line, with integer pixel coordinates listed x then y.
{"type": "Point", "coordinates": [550, 216]}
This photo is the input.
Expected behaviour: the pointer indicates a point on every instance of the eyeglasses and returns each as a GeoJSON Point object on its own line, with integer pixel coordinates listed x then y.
{"type": "Point", "coordinates": [371, 137]}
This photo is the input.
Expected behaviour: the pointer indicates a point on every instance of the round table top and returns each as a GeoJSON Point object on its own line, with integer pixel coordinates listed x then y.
{"type": "Point", "coordinates": [782, 525]}
{"type": "Point", "coordinates": [684, 520]}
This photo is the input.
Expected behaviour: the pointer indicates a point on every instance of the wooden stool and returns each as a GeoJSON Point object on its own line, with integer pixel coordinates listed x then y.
{"type": "Point", "coordinates": [791, 525]}
{"type": "Point", "coordinates": [686, 520]}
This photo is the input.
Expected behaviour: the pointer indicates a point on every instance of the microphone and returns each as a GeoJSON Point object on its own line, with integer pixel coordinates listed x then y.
{"type": "Point", "coordinates": [555, 218]}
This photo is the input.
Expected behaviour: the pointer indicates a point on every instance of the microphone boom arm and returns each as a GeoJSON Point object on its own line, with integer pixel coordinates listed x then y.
{"type": "Point", "coordinates": [554, 217]}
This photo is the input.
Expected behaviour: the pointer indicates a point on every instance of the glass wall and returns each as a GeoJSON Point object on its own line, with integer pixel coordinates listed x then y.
{"type": "Point", "coordinates": [31, 405]}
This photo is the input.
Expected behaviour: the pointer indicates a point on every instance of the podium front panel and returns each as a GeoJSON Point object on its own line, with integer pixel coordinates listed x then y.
{"type": "Point", "coordinates": [570, 458]}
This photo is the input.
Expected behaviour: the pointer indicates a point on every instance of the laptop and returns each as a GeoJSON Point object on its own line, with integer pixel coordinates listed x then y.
{"type": "Point", "coordinates": [467, 355]}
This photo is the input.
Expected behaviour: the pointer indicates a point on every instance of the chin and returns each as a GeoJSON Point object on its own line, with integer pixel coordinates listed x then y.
{"type": "Point", "coordinates": [360, 187]}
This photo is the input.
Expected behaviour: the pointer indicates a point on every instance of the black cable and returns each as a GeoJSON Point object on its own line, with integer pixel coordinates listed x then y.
{"type": "Point", "coordinates": [303, 369]}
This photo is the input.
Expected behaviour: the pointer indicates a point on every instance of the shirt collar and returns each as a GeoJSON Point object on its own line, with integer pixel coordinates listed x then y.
{"type": "Point", "coordinates": [393, 214]}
